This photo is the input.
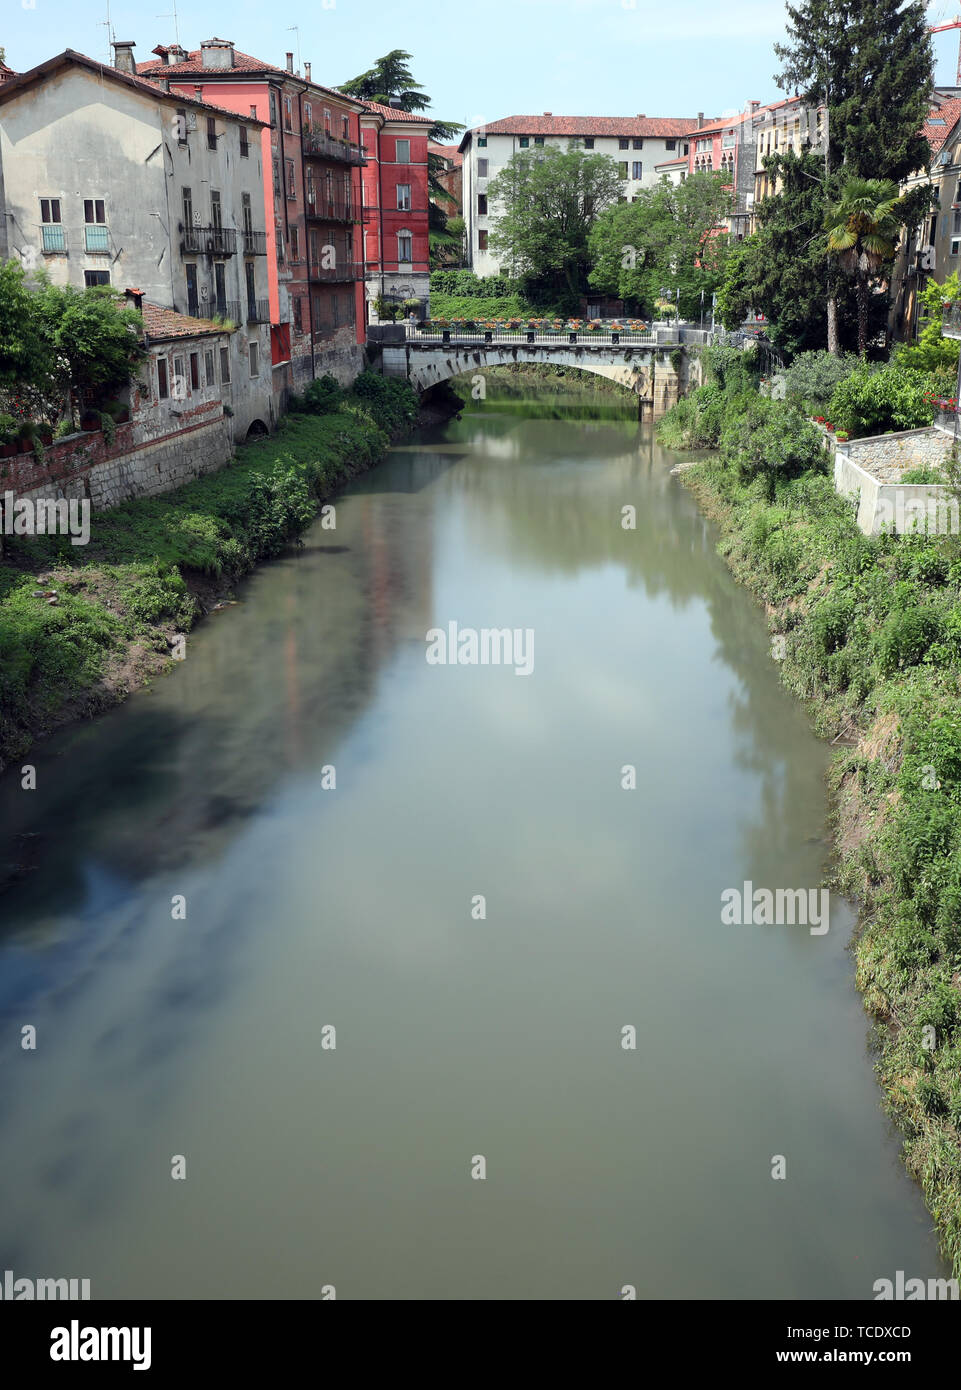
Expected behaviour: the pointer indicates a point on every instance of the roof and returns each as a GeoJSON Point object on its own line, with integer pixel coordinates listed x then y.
{"type": "Point", "coordinates": [244, 65]}
{"type": "Point", "coordinates": [450, 152]}
{"type": "Point", "coordinates": [13, 86]}
{"type": "Point", "coordinates": [548, 124]}
{"type": "Point", "coordinates": [672, 163]}
{"type": "Point", "coordinates": [393, 113]}
{"type": "Point", "coordinates": [947, 111]}
{"type": "Point", "coordinates": [160, 324]}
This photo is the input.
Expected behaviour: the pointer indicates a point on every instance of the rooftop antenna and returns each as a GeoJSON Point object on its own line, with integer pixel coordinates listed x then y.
{"type": "Point", "coordinates": [106, 24]}
{"type": "Point", "coordinates": [173, 16]}
{"type": "Point", "coordinates": [295, 28]}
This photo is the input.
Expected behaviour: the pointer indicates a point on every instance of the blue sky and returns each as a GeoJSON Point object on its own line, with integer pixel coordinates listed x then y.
{"type": "Point", "coordinates": [478, 61]}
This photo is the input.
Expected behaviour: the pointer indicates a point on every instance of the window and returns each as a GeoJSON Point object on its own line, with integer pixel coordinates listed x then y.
{"type": "Point", "coordinates": [670, 144]}
{"type": "Point", "coordinates": [254, 359]}
{"type": "Point", "coordinates": [299, 314]}
{"type": "Point", "coordinates": [244, 143]}
{"type": "Point", "coordinates": [195, 371]}
{"type": "Point", "coordinates": [211, 133]}
{"type": "Point", "coordinates": [403, 197]}
{"type": "Point", "coordinates": [638, 144]}
{"type": "Point", "coordinates": [280, 245]}
{"type": "Point", "coordinates": [96, 277]}
{"type": "Point", "coordinates": [247, 215]}
{"type": "Point", "coordinates": [224, 366]}
{"type": "Point", "coordinates": [405, 246]}
{"type": "Point", "coordinates": [685, 149]}
{"type": "Point", "coordinates": [622, 144]}
{"type": "Point", "coordinates": [482, 168]}
{"type": "Point", "coordinates": [622, 169]}
{"type": "Point", "coordinates": [482, 239]}
{"type": "Point", "coordinates": [273, 108]}
{"type": "Point", "coordinates": [188, 208]}
{"type": "Point", "coordinates": [308, 114]}
{"type": "Point", "coordinates": [216, 213]}
{"type": "Point", "coordinates": [276, 178]}
{"type": "Point", "coordinates": [703, 145]}
{"type": "Point", "coordinates": [326, 120]}
{"type": "Point", "coordinates": [538, 139]}
{"type": "Point", "coordinates": [179, 383]}
{"type": "Point", "coordinates": [288, 114]}
{"type": "Point", "coordinates": [589, 142]}
{"type": "Point", "coordinates": [729, 141]}
{"type": "Point", "coordinates": [955, 245]}
{"type": "Point", "coordinates": [295, 243]}
{"type": "Point", "coordinates": [95, 232]}
{"type": "Point", "coordinates": [163, 387]}
{"type": "Point", "coordinates": [524, 142]}
{"type": "Point", "coordinates": [52, 232]}
{"type": "Point", "coordinates": [482, 204]}
{"type": "Point", "coordinates": [291, 179]}
{"type": "Point", "coordinates": [482, 141]}
{"type": "Point", "coordinates": [402, 152]}
{"type": "Point", "coordinates": [345, 127]}
{"type": "Point", "coordinates": [638, 170]}
{"type": "Point", "coordinates": [253, 112]}
{"type": "Point", "coordinates": [209, 367]}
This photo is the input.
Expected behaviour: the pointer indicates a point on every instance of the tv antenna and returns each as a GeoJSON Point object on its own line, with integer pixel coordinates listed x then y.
{"type": "Point", "coordinates": [173, 16]}
{"type": "Point", "coordinates": [295, 29]}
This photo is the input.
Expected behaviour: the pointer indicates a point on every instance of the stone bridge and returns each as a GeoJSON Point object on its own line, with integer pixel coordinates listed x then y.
{"type": "Point", "coordinates": [656, 366]}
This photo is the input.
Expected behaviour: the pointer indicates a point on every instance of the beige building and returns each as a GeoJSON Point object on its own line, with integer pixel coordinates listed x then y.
{"type": "Point", "coordinates": [105, 178]}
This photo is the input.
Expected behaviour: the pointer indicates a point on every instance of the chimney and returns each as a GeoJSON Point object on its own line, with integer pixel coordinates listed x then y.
{"type": "Point", "coordinates": [135, 297]}
{"type": "Point", "coordinates": [700, 119]}
{"type": "Point", "coordinates": [641, 116]}
{"type": "Point", "coordinates": [396, 103]}
{"type": "Point", "coordinates": [754, 105]}
{"type": "Point", "coordinates": [176, 54]}
{"type": "Point", "coordinates": [123, 59]}
{"type": "Point", "coordinates": [548, 113]}
{"type": "Point", "coordinates": [290, 62]}
{"type": "Point", "coordinates": [307, 72]}
{"type": "Point", "coordinates": [217, 53]}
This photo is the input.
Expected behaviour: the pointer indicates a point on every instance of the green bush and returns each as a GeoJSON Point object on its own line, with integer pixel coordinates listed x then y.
{"type": "Point", "coordinates": [812, 376]}
{"type": "Point", "coordinates": [906, 636]}
{"type": "Point", "coordinates": [773, 440]}
{"type": "Point", "coordinates": [876, 400]}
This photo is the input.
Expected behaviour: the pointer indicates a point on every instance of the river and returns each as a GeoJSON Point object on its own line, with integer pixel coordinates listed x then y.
{"type": "Point", "coordinates": [204, 1033]}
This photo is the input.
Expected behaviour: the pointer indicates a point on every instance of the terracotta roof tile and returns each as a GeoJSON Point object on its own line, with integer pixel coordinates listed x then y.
{"type": "Point", "coordinates": [161, 323]}
{"type": "Point", "coordinates": [393, 114]}
{"type": "Point", "coordinates": [243, 63]}
{"type": "Point", "coordinates": [949, 112]}
{"type": "Point", "coordinates": [654, 126]}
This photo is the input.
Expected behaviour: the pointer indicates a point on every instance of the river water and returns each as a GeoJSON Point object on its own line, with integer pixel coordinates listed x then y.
{"type": "Point", "coordinates": [352, 907]}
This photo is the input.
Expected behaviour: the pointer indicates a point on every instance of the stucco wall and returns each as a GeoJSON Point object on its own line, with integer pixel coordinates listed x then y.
{"type": "Point", "coordinates": [900, 507]}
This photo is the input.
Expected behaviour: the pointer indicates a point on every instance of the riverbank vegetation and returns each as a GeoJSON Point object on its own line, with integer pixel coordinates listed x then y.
{"type": "Point", "coordinates": [868, 632]}
{"type": "Point", "coordinates": [80, 626]}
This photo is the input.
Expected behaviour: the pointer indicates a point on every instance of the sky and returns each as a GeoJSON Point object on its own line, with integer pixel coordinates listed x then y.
{"type": "Point", "coordinates": [477, 61]}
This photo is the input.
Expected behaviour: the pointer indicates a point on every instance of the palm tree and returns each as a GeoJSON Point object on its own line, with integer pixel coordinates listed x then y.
{"type": "Point", "coordinates": [863, 227]}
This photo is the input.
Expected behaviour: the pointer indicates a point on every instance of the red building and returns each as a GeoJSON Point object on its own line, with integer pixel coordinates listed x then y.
{"type": "Point", "coordinates": [396, 233]}
{"type": "Point", "coordinates": [312, 157]}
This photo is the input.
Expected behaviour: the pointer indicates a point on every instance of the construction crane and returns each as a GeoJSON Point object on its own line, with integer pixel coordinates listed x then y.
{"type": "Point", "coordinates": [939, 29]}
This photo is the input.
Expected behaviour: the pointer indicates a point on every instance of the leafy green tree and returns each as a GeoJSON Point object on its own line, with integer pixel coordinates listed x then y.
{"type": "Point", "coordinates": [550, 199]}
{"type": "Point", "coordinates": [933, 352]}
{"type": "Point", "coordinates": [863, 227]}
{"type": "Point", "coordinates": [96, 338]}
{"type": "Point", "coordinates": [669, 238]}
{"type": "Point", "coordinates": [27, 362]}
{"type": "Point", "coordinates": [875, 400]}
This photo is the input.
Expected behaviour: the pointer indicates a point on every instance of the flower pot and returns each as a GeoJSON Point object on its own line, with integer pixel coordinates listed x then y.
{"type": "Point", "coordinates": [8, 450]}
{"type": "Point", "coordinates": [46, 437]}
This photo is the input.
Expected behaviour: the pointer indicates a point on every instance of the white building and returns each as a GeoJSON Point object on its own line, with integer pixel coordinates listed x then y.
{"type": "Point", "coordinates": [636, 143]}
{"type": "Point", "coordinates": [105, 178]}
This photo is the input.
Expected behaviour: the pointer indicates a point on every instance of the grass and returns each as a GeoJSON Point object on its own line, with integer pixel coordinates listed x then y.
{"type": "Point", "coordinates": [872, 643]}
{"type": "Point", "coordinates": [149, 562]}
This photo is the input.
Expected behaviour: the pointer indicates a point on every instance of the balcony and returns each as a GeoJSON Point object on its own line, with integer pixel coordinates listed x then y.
{"type": "Point", "coordinates": [224, 309]}
{"type": "Point", "coordinates": [258, 310]}
{"type": "Point", "coordinates": [332, 210]}
{"type": "Point", "coordinates": [255, 243]}
{"type": "Point", "coordinates": [337, 274]}
{"type": "Point", "coordinates": [53, 239]}
{"type": "Point", "coordinates": [208, 241]}
{"type": "Point", "coordinates": [96, 240]}
{"type": "Point", "coordinates": [951, 320]}
{"type": "Point", "coordinates": [322, 145]}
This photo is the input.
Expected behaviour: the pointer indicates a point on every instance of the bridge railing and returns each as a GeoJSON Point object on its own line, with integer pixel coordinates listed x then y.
{"type": "Point", "coordinates": [630, 337]}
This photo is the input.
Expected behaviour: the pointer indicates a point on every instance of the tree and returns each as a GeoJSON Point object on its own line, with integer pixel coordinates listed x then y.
{"type": "Point", "coordinates": [863, 227]}
{"type": "Point", "coordinates": [27, 363]}
{"type": "Point", "coordinates": [550, 199]}
{"type": "Point", "coordinates": [782, 270]}
{"type": "Point", "coordinates": [669, 238]}
{"type": "Point", "coordinates": [869, 62]}
{"type": "Point", "coordinates": [96, 338]}
{"type": "Point", "coordinates": [933, 352]}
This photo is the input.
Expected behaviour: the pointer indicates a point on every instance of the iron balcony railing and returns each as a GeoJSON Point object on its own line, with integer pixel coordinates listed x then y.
{"type": "Point", "coordinates": [53, 237]}
{"type": "Point", "coordinates": [255, 243]}
{"type": "Point", "coordinates": [258, 310]}
{"type": "Point", "coordinates": [951, 320]}
{"type": "Point", "coordinates": [209, 241]}
{"type": "Point", "coordinates": [323, 145]}
{"type": "Point", "coordinates": [225, 309]}
{"type": "Point", "coordinates": [655, 337]}
{"type": "Point", "coordinates": [333, 210]}
{"type": "Point", "coordinates": [337, 274]}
